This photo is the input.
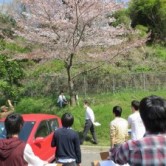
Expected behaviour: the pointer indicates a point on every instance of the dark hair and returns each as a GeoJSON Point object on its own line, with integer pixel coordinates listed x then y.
{"type": "Point", "coordinates": [67, 120]}
{"type": "Point", "coordinates": [86, 102]}
{"type": "Point", "coordinates": [153, 114]}
{"type": "Point", "coordinates": [135, 104]}
{"type": "Point", "coordinates": [13, 123]}
{"type": "Point", "coordinates": [117, 110]}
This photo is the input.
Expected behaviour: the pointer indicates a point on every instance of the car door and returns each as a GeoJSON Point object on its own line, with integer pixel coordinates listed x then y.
{"type": "Point", "coordinates": [42, 143]}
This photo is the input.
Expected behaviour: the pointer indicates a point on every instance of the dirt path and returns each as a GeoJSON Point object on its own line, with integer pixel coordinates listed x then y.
{"type": "Point", "coordinates": [91, 153]}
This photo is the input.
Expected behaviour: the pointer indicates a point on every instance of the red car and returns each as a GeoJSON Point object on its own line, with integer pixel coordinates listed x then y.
{"type": "Point", "coordinates": [37, 131]}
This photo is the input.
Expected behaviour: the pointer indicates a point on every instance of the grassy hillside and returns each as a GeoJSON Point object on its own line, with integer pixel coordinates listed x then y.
{"type": "Point", "coordinates": [101, 104]}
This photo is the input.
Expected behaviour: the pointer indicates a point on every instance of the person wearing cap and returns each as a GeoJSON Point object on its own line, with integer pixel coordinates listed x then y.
{"type": "Point", "coordinates": [5, 111]}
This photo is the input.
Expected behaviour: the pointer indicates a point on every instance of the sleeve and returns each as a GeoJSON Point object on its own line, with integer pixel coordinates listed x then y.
{"type": "Point", "coordinates": [31, 158]}
{"type": "Point", "coordinates": [91, 114]}
{"type": "Point", "coordinates": [11, 107]}
{"type": "Point", "coordinates": [120, 155]}
{"type": "Point", "coordinates": [129, 121]}
{"type": "Point", "coordinates": [112, 133]}
{"type": "Point", "coordinates": [53, 142]}
{"type": "Point", "coordinates": [127, 134]}
{"type": "Point", "coordinates": [77, 149]}
{"type": "Point", "coordinates": [112, 130]}
{"type": "Point", "coordinates": [58, 100]}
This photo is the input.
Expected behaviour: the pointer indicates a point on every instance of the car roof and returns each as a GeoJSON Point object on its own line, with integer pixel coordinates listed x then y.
{"type": "Point", "coordinates": [38, 117]}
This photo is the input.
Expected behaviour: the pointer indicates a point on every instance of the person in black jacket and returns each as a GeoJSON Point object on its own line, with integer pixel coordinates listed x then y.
{"type": "Point", "coordinates": [67, 143]}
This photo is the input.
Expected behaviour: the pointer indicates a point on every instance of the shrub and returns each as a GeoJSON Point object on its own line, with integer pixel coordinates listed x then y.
{"type": "Point", "coordinates": [34, 105]}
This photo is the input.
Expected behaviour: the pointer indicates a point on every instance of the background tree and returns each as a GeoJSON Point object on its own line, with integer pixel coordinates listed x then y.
{"type": "Point", "coordinates": [69, 29]}
{"type": "Point", "coordinates": [10, 74]}
{"type": "Point", "coordinates": [11, 71]}
{"type": "Point", "coordinates": [150, 13]}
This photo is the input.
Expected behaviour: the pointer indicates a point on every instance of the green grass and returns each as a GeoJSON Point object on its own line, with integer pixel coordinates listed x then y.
{"type": "Point", "coordinates": [101, 104]}
{"type": "Point", "coordinates": [102, 107]}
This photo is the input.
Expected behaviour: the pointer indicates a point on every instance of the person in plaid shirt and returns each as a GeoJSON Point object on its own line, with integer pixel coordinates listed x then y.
{"type": "Point", "coordinates": [151, 149]}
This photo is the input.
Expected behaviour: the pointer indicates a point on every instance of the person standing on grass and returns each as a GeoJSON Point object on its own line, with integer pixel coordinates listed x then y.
{"type": "Point", "coordinates": [135, 121]}
{"type": "Point", "coordinates": [89, 120]}
{"type": "Point", "coordinates": [118, 128]}
{"type": "Point", "coordinates": [67, 143]}
{"type": "Point", "coordinates": [151, 149]}
{"type": "Point", "coordinates": [13, 151]}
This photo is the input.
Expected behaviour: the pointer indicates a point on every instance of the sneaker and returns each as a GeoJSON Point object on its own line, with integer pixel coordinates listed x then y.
{"type": "Point", "coordinates": [81, 143]}
{"type": "Point", "coordinates": [95, 142]}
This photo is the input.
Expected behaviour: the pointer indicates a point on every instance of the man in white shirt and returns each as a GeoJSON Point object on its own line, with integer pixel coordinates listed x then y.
{"type": "Point", "coordinates": [89, 120]}
{"type": "Point", "coordinates": [61, 100]}
{"type": "Point", "coordinates": [135, 122]}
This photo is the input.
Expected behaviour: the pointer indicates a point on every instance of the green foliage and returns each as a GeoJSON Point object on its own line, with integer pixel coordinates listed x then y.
{"type": "Point", "coordinates": [142, 30]}
{"type": "Point", "coordinates": [10, 71]}
{"type": "Point", "coordinates": [49, 67]}
{"type": "Point", "coordinates": [6, 25]}
{"type": "Point", "coordinates": [10, 74]}
{"type": "Point", "coordinates": [13, 47]}
{"type": "Point", "coordinates": [33, 105]}
{"type": "Point", "coordinates": [142, 69]}
{"type": "Point", "coordinates": [160, 51]}
{"type": "Point", "coordinates": [122, 17]}
{"type": "Point", "coordinates": [5, 19]}
{"type": "Point", "coordinates": [150, 13]}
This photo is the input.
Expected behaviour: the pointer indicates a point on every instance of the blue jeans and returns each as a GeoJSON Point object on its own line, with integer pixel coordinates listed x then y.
{"type": "Point", "coordinates": [62, 103]}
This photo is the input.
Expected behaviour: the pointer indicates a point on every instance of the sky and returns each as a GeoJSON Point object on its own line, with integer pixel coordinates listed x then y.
{"type": "Point", "coordinates": [6, 1]}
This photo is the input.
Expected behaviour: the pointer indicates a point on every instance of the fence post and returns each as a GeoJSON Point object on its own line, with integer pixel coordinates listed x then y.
{"type": "Point", "coordinates": [144, 81]}
{"type": "Point", "coordinates": [113, 84]}
{"type": "Point", "coordinates": [85, 87]}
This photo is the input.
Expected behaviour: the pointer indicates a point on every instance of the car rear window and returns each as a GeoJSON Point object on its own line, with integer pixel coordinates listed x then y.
{"type": "Point", "coordinates": [24, 133]}
{"type": "Point", "coordinates": [26, 130]}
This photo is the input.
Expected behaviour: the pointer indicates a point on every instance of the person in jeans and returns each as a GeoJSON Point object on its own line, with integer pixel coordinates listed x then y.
{"type": "Point", "coordinates": [151, 149]}
{"type": "Point", "coordinates": [89, 120]}
{"type": "Point", "coordinates": [13, 151]}
{"type": "Point", "coordinates": [62, 102]}
{"type": "Point", "coordinates": [118, 128]}
{"type": "Point", "coordinates": [67, 143]}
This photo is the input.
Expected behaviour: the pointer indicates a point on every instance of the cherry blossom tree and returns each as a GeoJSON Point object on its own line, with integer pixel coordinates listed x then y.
{"type": "Point", "coordinates": [64, 27]}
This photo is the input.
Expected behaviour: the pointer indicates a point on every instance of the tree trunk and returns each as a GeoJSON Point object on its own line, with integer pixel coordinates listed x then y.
{"type": "Point", "coordinates": [70, 81]}
{"type": "Point", "coordinates": [71, 93]}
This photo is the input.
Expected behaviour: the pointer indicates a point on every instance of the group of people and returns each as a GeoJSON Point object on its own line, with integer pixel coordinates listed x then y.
{"type": "Point", "coordinates": [145, 149]}
{"type": "Point", "coordinates": [65, 139]}
{"type": "Point", "coordinates": [119, 127]}
{"type": "Point", "coordinates": [146, 146]}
